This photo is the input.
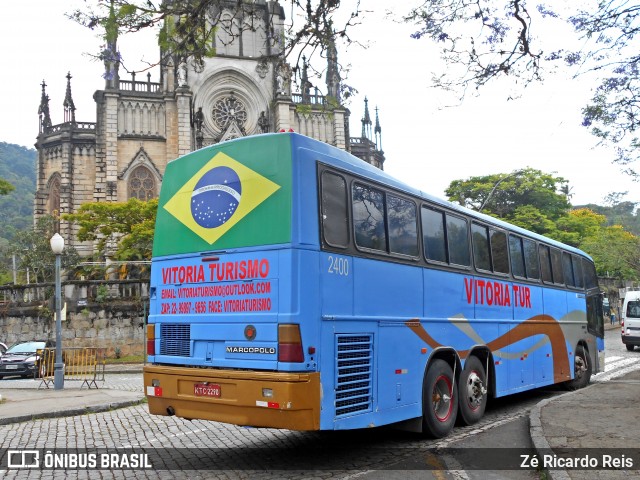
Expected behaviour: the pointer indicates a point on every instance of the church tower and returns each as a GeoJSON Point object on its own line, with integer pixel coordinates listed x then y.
{"type": "Point", "coordinates": [141, 125]}
{"type": "Point", "coordinates": [368, 146]}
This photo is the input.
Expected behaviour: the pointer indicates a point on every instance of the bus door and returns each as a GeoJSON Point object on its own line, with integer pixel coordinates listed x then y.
{"type": "Point", "coordinates": [595, 326]}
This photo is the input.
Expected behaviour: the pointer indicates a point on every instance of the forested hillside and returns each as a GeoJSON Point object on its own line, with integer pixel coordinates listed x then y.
{"type": "Point", "coordinates": [18, 167]}
{"type": "Point", "coordinates": [623, 213]}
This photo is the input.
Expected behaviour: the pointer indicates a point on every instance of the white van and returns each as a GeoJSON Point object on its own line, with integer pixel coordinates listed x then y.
{"type": "Point", "coordinates": [631, 319]}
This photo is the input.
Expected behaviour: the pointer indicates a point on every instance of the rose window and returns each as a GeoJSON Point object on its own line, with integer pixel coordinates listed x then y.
{"type": "Point", "coordinates": [227, 109]}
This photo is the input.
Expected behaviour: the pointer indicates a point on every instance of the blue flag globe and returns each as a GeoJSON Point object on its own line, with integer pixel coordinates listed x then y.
{"type": "Point", "coordinates": [215, 197]}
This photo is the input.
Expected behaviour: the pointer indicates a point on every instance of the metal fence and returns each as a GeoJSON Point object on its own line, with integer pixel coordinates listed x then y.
{"type": "Point", "coordinates": [74, 291]}
{"type": "Point", "coordinates": [84, 364]}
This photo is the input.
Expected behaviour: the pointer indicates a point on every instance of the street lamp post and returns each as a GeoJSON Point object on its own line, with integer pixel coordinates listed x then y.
{"type": "Point", "coordinates": [57, 245]}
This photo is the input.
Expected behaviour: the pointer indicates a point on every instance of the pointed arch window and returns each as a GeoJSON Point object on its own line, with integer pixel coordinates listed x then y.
{"type": "Point", "coordinates": [142, 184]}
{"type": "Point", "coordinates": [54, 200]}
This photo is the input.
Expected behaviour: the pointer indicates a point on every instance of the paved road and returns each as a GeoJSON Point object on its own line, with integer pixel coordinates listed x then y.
{"type": "Point", "coordinates": [210, 450]}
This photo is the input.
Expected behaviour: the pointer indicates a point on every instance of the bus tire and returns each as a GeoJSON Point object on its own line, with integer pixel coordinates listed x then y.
{"type": "Point", "coordinates": [472, 392]}
{"type": "Point", "coordinates": [581, 369]}
{"type": "Point", "coordinates": [439, 402]}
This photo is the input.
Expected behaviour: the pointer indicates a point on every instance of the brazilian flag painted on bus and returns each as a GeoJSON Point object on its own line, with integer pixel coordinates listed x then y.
{"type": "Point", "coordinates": [234, 194]}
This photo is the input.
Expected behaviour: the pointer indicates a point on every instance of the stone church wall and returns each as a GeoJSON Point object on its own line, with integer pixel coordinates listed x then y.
{"type": "Point", "coordinates": [119, 329]}
{"type": "Point", "coordinates": [104, 314]}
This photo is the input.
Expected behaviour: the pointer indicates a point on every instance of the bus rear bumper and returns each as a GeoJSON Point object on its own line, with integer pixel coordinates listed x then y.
{"type": "Point", "coordinates": [258, 399]}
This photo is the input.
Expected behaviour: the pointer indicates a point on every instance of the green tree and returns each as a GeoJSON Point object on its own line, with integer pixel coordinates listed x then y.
{"type": "Point", "coordinates": [578, 225]}
{"type": "Point", "coordinates": [531, 218]}
{"type": "Point", "coordinates": [615, 252]}
{"type": "Point", "coordinates": [504, 195]}
{"type": "Point", "coordinates": [5, 187]}
{"type": "Point", "coordinates": [619, 212]}
{"type": "Point", "coordinates": [33, 251]}
{"type": "Point", "coordinates": [126, 225]}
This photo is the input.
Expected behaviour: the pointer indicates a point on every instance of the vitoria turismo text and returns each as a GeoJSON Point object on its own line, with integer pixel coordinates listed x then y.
{"type": "Point", "coordinates": [221, 272]}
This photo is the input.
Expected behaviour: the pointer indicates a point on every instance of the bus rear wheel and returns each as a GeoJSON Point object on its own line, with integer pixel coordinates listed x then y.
{"type": "Point", "coordinates": [472, 392]}
{"type": "Point", "coordinates": [581, 369]}
{"type": "Point", "coordinates": [439, 402]}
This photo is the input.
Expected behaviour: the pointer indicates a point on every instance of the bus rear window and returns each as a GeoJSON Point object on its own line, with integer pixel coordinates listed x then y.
{"type": "Point", "coordinates": [633, 309]}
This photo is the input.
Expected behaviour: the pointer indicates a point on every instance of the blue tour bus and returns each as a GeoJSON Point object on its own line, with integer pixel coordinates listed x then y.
{"type": "Point", "coordinates": [296, 286]}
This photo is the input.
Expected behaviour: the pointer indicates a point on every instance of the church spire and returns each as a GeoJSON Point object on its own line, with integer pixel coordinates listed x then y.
{"type": "Point", "coordinates": [378, 132]}
{"type": "Point", "coordinates": [366, 121]}
{"type": "Point", "coordinates": [69, 107]}
{"type": "Point", "coordinates": [306, 84]}
{"type": "Point", "coordinates": [110, 54]}
{"type": "Point", "coordinates": [43, 110]}
{"type": "Point", "coordinates": [333, 73]}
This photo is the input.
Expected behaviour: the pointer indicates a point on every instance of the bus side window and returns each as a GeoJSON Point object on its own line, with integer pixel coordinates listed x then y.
{"type": "Point", "coordinates": [403, 234]}
{"type": "Point", "coordinates": [556, 266]}
{"type": "Point", "coordinates": [590, 277]}
{"type": "Point", "coordinates": [368, 218]}
{"type": "Point", "coordinates": [480, 239]}
{"type": "Point", "coordinates": [335, 219]}
{"type": "Point", "coordinates": [499, 256]}
{"type": "Point", "coordinates": [517, 256]}
{"type": "Point", "coordinates": [568, 270]}
{"type": "Point", "coordinates": [577, 271]}
{"type": "Point", "coordinates": [545, 264]}
{"type": "Point", "coordinates": [433, 235]}
{"type": "Point", "coordinates": [458, 241]}
{"type": "Point", "coordinates": [531, 259]}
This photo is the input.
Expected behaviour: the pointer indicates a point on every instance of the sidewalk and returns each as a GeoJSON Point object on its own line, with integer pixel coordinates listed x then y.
{"type": "Point", "coordinates": [602, 417]}
{"type": "Point", "coordinates": [30, 402]}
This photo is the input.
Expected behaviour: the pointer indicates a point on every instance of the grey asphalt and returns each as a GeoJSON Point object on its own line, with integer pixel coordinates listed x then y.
{"type": "Point", "coordinates": [599, 420]}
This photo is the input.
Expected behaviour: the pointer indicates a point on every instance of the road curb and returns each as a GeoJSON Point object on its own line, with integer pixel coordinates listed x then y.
{"type": "Point", "coordinates": [72, 412]}
{"type": "Point", "coordinates": [536, 431]}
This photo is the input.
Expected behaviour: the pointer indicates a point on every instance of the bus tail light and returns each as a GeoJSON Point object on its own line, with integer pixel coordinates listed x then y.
{"type": "Point", "coordinates": [290, 343]}
{"type": "Point", "coordinates": [151, 340]}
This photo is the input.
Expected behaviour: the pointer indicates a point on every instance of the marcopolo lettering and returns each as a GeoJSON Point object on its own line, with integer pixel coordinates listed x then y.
{"type": "Point", "coordinates": [260, 350]}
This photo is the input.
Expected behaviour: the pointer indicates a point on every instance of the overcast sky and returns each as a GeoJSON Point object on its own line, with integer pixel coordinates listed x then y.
{"type": "Point", "coordinates": [426, 143]}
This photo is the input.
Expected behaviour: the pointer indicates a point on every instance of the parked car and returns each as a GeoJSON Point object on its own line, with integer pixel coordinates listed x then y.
{"type": "Point", "coordinates": [630, 320]}
{"type": "Point", "coordinates": [22, 359]}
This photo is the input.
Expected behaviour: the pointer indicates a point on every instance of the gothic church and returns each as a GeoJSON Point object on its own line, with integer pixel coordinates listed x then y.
{"type": "Point", "coordinates": [142, 125]}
